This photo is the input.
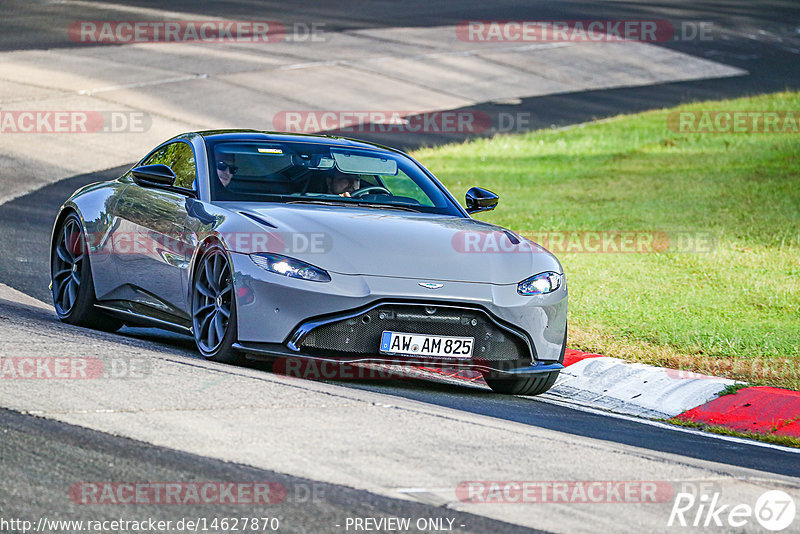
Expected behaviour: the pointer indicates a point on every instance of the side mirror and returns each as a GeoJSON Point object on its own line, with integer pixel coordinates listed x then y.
{"type": "Point", "coordinates": [154, 175]}
{"type": "Point", "coordinates": [479, 199]}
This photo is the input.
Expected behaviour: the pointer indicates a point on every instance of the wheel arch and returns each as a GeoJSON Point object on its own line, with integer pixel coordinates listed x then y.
{"type": "Point", "coordinates": [68, 208]}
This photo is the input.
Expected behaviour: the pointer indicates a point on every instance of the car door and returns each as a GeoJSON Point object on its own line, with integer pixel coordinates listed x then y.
{"type": "Point", "coordinates": [154, 247]}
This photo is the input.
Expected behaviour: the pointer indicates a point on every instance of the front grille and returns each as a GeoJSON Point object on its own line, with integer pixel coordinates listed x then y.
{"type": "Point", "coordinates": [361, 334]}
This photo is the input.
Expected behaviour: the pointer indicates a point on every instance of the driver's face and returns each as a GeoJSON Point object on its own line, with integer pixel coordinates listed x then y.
{"type": "Point", "coordinates": [225, 168]}
{"type": "Point", "coordinates": [344, 185]}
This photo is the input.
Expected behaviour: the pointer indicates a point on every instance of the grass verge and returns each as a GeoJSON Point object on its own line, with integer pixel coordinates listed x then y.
{"type": "Point", "coordinates": [722, 297]}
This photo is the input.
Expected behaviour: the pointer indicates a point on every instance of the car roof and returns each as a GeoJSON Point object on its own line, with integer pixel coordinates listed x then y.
{"type": "Point", "coordinates": [256, 135]}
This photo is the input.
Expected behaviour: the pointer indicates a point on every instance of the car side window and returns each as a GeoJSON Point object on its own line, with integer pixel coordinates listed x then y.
{"type": "Point", "coordinates": [180, 158]}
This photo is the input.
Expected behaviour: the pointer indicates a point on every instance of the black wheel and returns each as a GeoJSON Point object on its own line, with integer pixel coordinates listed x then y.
{"type": "Point", "coordinates": [529, 385]}
{"type": "Point", "coordinates": [214, 308]}
{"type": "Point", "coordinates": [71, 277]}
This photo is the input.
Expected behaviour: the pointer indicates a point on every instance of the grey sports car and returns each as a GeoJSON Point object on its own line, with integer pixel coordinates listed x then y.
{"type": "Point", "coordinates": [267, 245]}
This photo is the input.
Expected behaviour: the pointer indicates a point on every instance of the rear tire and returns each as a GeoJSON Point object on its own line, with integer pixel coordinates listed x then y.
{"type": "Point", "coordinates": [71, 277]}
{"type": "Point", "coordinates": [529, 385]}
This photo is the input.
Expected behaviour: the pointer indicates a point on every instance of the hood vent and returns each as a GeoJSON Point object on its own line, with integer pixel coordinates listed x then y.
{"type": "Point", "coordinates": [257, 219]}
{"type": "Point", "coordinates": [511, 237]}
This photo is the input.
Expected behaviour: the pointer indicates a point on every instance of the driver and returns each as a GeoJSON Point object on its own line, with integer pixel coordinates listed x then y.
{"type": "Point", "coordinates": [226, 168]}
{"type": "Point", "coordinates": [343, 184]}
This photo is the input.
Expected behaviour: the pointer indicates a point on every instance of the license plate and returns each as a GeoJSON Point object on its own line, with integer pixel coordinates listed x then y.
{"type": "Point", "coordinates": [425, 345]}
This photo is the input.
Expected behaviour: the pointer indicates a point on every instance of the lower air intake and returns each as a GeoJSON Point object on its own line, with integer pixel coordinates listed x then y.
{"type": "Point", "coordinates": [361, 335]}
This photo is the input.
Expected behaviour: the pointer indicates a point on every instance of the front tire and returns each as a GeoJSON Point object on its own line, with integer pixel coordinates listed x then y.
{"type": "Point", "coordinates": [529, 385]}
{"type": "Point", "coordinates": [214, 308]}
{"type": "Point", "coordinates": [71, 278]}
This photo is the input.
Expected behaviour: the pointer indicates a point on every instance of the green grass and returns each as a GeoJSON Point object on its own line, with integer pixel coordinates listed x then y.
{"type": "Point", "coordinates": [734, 311]}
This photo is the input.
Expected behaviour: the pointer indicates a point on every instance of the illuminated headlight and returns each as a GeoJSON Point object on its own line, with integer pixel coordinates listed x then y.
{"type": "Point", "coordinates": [540, 284]}
{"type": "Point", "coordinates": [291, 267]}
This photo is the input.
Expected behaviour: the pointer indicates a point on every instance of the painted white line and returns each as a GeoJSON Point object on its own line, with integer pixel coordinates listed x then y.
{"type": "Point", "coordinates": [546, 398]}
{"type": "Point", "coordinates": [498, 50]}
{"type": "Point", "coordinates": [312, 64]}
{"type": "Point", "coordinates": [89, 92]}
{"type": "Point", "coordinates": [414, 57]}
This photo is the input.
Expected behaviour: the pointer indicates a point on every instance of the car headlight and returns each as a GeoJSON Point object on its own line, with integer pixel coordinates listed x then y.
{"type": "Point", "coordinates": [540, 284]}
{"type": "Point", "coordinates": [275, 263]}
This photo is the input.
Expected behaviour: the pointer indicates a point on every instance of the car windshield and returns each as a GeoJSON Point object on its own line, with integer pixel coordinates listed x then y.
{"type": "Point", "coordinates": [319, 173]}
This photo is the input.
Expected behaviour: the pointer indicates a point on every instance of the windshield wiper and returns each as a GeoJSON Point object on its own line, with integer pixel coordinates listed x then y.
{"type": "Point", "coordinates": [386, 206]}
{"type": "Point", "coordinates": [315, 201]}
{"type": "Point", "coordinates": [354, 203]}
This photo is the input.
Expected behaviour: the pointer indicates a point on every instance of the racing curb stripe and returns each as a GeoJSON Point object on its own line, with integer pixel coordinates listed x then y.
{"type": "Point", "coordinates": [574, 356]}
{"type": "Point", "coordinates": [636, 389]}
{"type": "Point", "coordinates": [763, 410]}
{"type": "Point", "coordinates": [614, 383]}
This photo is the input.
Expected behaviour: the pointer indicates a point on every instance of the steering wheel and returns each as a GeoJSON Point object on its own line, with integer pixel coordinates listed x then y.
{"type": "Point", "coordinates": [371, 189]}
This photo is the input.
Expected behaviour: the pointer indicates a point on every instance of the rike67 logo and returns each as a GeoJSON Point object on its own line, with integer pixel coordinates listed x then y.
{"type": "Point", "coordinates": [774, 510]}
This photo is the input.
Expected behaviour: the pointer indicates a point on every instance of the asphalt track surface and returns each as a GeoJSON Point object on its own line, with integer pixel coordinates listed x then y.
{"type": "Point", "coordinates": [25, 225]}
{"type": "Point", "coordinates": [45, 457]}
{"type": "Point", "coordinates": [39, 486]}
{"type": "Point", "coordinates": [760, 37]}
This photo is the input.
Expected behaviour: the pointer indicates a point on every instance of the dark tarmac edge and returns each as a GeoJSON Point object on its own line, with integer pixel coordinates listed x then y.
{"type": "Point", "coordinates": [41, 459]}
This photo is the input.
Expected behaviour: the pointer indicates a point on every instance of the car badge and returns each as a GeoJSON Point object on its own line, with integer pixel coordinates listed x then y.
{"type": "Point", "coordinates": [431, 285]}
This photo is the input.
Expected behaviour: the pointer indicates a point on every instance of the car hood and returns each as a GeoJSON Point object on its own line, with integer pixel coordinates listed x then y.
{"type": "Point", "coordinates": [365, 241]}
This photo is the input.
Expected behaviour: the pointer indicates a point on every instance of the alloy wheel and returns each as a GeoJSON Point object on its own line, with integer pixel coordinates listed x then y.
{"type": "Point", "coordinates": [212, 300]}
{"type": "Point", "coordinates": [69, 260]}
